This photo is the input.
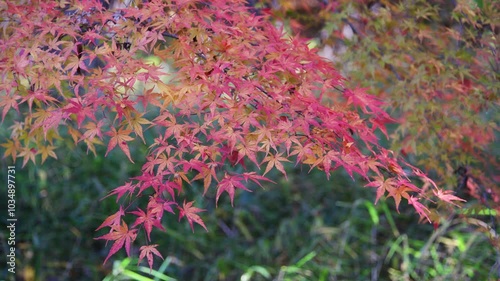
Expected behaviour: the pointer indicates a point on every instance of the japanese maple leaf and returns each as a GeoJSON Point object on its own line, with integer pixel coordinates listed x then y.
{"type": "Point", "coordinates": [158, 205]}
{"type": "Point", "coordinates": [301, 151]}
{"type": "Point", "coordinates": [256, 178]}
{"type": "Point", "coordinates": [421, 209]}
{"type": "Point", "coordinates": [136, 123]}
{"type": "Point", "coordinates": [424, 177]}
{"type": "Point", "coordinates": [170, 187]}
{"type": "Point", "coordinates": [47, 151]}
{"type": "Point", "coordinates": [148, 251]}
{"type": "Point", "coordinates": [149, 98]}
{"type": "Point", "coordinates": [326, 161]}
{"type": "Point", "coordinates": [446, 196]}
{"type": "Point", "coordinates": [93, 130]}
{"type": "Point", "coordinates": [48, 119]}
{"type": "Point", "coordinates": [246, 151]}
{"type": "Point", "coordinates": [114, 219]}
{"type": "Point", "coordinates": [75, 106]}
{"type": "Point", "coordinates": [148, 219]}
{"type": "Point", "coordinates": [120, 137]}
{"type": "Point", "coordinates": [28, 154]}
{"type": "Point", "coordinates": [382, 185]}
{"type": "Point", "coordinates": [360, 98]}
{"type": "Point", "coordinates": [7, 102]}
{"type": "Point", "coordinates": [38, 95]}
{"type": "Point", "coordinates": [189, 212]}
{"type": "Point", "coordinates": [122, 237]}
{"type": "Point", "coordinates": [398, 192]}
{"type": "Point", "coordinates": [11, 148]}
{"type": "Point", "coordinates": [121, 190]}
{"type": "Point", "coordinates": [372, 164]}
{"type": "Point", "coordinates": [275, 161]}
{"type": "Point", "coordinates": [228, 184]}
{"type": "Point", "coordinates": [206, 175]}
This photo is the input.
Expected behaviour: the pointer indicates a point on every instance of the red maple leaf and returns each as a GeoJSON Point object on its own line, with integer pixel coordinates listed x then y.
{"type": "Point", "coordinates": [228, 184]}
{"type": "Point", "coordinates": [253, 176]}
{"type": "Point", "coordinates": [7, 102]}
{"type": "Point", "coordinates": [28, 154]}
{"type": "Point", "coordinates": [121, 190]}
{"type": "Point", "coordinates": [114, 219]}
{"type": "Point", "coordinates": [122, 237]}
{"type": "Point", "coordinates": [446, 196]}
{"type": "Point", "coordinates": [158, 205]}
{"type": "Point", "coordinates": [421, 209]}
{"type": "Point", "coordinates": [120, 137]}
{"type": "Point", "coordinates": [275, 161]}
{"type": "Point", "coordinates": [148, 219]}
{"type": "Point", "coordinates": [93, 129]}
{"type": "Point", "coordinates": [38, 95]}
{"type": "Point", "coordinates": [76, 106]}
{"type": "Point", "coordinates": [148, 251]}
{"type": "Point", "coordinates": [189, 212]}
{"type": "Point", "coordinates": [382, 186]}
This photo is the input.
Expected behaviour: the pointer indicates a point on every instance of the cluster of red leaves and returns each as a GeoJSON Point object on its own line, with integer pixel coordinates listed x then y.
{"type": "Point", "coordinates": [243, 95]}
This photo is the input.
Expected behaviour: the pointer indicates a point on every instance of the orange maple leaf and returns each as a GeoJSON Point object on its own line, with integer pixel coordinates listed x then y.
{"type": "Point", "coordinates": [120, 137]}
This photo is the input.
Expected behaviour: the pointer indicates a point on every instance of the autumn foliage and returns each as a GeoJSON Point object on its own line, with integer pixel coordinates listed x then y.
{"type": "Point", "coordinates": [229, 98]}
{"type": "Point", "coordinates": [435, 64]}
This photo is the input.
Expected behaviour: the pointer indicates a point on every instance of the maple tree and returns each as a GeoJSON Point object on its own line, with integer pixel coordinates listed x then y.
{"type": "Point", "coordinates": [242, 99]}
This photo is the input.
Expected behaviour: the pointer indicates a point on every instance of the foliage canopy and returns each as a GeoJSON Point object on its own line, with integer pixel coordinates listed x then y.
{"type": "Point", "coordinates": [241, 100]}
